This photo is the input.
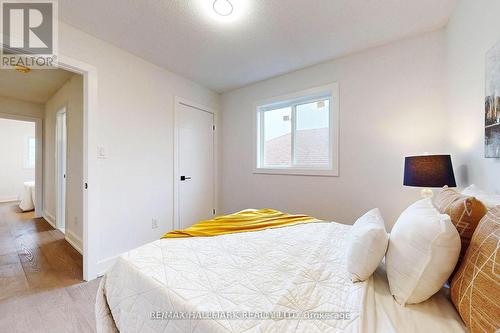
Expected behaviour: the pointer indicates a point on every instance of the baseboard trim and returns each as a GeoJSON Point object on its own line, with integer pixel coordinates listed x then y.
{"type": "Point", "coordinates": [74, 241]}
{"type": "Point", "coordinates": [49, 218]}
{"type": "Point", "coordinates": [71, 238]}
{"type": "Point", "coordinates": [105, 264]}
{"type": "Point", "coordinates": [9, 198]}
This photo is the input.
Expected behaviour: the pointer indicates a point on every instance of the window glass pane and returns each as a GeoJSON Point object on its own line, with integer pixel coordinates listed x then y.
{"type": "Point", "coordinates": [312, 136]}
{"type": "Point", "coordinates": [277, 137]}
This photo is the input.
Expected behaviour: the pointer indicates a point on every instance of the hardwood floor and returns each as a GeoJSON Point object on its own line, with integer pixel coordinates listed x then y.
{"type": "Point", "coordinates": [41, 287]}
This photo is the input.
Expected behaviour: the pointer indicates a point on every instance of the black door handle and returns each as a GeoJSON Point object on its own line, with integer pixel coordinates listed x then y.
{"type": "Point", "coordinates": [184, 178]}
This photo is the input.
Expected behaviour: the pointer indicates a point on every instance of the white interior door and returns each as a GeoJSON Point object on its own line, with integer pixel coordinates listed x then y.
{"type": "Point", "coordinates": [61, 148]}
{"type": "Point", "coordinates": [195, 168]}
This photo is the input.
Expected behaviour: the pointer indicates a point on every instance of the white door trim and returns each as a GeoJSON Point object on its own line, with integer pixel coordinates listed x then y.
{"type": "Point", "coordinates": [91, 195]}
{"type": "Point", "coordinates": [38, 159]}
{"type": "Point", "coordinates": [202, 108]}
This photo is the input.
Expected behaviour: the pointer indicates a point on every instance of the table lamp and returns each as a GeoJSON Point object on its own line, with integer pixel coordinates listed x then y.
{"type": "Point", "coordinates": [429, 171]}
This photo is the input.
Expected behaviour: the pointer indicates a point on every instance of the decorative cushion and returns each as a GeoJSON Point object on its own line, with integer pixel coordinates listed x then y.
{"type": "Point", "coordinates": [490, 200]}
{"type": "Point", "coordinates": [367, 245]}
{"type": "Point", "coordinates": [423, 251]}
{"type": "Point", "coordinates": [475, 287]}
{"type": "Point", "coordinates": [465, 213]}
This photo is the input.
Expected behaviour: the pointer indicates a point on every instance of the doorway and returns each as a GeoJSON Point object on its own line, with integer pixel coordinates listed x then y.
{"type": "Point", "coordinates": [61, 150]}
{"type": "Point", "coordinates": [18, 162]}
{"type": "Point", "coordinates": [38, 87]}
{"type": "Point", "coordinates": [32, 150]}
{"type": "Point", "coordinates": [194, 171]}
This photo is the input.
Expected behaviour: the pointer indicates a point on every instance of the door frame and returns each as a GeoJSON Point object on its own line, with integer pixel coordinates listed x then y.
{"type": "Point", "coordinates": [176, 174]}
{"type": "Point", "coordinates": [61, 184]}
{"type": "Point", "coordinates": [38, 158]}
{"type": "Point", "coordinates": [91, 195]}
{"type": "Point", "coordinates": [90, 186]}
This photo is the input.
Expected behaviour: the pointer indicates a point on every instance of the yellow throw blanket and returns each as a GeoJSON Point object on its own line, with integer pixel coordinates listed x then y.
{"type": "Point", "coordinates": [244, 221]}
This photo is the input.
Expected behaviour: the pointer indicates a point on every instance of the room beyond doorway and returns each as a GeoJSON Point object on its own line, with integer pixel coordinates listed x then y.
{"type": "Point", "coordinates": [18, 162]}
{"type": "Point", "coordinates": [56, 98]}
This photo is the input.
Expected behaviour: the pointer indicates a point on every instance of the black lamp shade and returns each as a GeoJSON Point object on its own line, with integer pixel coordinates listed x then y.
{"type": "Point", "coordinates": [429, 171]}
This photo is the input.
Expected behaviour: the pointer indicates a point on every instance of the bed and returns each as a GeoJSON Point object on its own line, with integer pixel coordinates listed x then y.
{"type": "Point", "coordinates": [251, 282]}
{"type": "Point", "coordinates": [28, 197]}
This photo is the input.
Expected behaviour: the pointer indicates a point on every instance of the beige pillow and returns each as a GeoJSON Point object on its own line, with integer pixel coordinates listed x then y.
{"type": "Point", "coordinates": [475, 288]}
{"type": "Point", "coordinates": [423, 250]}
{"type": "Point", "coordinates": [367, 245]}
{"type": "Point", "coordinates": [465, 213]}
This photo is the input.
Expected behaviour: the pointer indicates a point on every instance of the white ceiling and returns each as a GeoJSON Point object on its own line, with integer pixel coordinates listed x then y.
{"type": "Point", "coordinates": [266, 38]}
{"type": "Point", "coordinates": [36, 86]}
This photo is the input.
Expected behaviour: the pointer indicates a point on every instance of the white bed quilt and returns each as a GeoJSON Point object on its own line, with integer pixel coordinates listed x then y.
{"type": "Point", "coordinates": [292, 269]}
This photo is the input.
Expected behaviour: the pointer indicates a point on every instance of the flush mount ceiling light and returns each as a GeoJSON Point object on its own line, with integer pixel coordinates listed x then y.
{"type": "Point", "coordinates": [228, 13]}
{"type": "Point", "coordinates": [22, 69]}
{"type": "Point", "coordinates": [223, 7]}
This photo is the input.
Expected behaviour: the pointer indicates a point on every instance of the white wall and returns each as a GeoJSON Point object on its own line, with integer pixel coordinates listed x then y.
{"type": "Point", "coordinates": [135, 117]}
{"type": "Point", "coordinates": [70, 95]}
{"type": "Point", "coordinates": [14, 136]}
{"type": "Point", "coordinates": [391, 105]}
{"type": "Point", "coordinates": [20, 108]}
{"type": "Point", "coordinates": [473, 29]}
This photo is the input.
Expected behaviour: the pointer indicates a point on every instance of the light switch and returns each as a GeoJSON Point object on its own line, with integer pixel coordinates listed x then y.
{"type": "Point", "coordinates": [101, 152]}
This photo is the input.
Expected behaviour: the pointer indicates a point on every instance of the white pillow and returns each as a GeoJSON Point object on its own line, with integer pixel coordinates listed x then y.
{"type": "Point", "coordinates": [490, 200]}
{"type": "Point", "coordinates": [367, 245]}
{"type": "Point", "coordinates": [423, 250]}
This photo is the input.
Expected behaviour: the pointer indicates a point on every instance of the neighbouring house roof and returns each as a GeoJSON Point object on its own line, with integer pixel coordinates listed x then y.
{"type": "Point", "coordinates": [311, 148]}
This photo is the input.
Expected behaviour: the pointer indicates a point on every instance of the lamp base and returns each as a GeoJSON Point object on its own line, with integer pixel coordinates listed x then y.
{"type": "Point", "coordinates": [426, 193]}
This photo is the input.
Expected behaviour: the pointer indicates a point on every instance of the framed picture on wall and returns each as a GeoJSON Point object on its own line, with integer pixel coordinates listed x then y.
{"type": "Point", "coordinates": [492, 103]}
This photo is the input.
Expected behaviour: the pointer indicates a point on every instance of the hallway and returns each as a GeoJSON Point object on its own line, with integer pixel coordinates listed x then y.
{"type": "Point", "coordinates": [33, 255]}
{"type": "Point", "coordinates": [40, 278]}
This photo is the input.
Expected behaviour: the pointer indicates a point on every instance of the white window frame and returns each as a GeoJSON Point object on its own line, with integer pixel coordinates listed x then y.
{"type": "Point", "coordinates": [327, 91]}
{"type": "Point", "coordinates": [27, 164]}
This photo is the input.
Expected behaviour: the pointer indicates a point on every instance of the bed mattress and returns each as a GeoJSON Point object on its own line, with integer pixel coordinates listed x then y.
{"type": "Point", "coordinates": [382, 314]}
{"type": "Point", "coordinates": [290, 279]}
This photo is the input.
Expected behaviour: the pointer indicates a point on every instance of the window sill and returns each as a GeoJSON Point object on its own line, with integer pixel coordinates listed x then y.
{"type": "Point", "coordinates": [297, 172]}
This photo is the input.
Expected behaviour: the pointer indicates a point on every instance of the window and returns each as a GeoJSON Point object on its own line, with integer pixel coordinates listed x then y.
{"type": "Point", "coordinates": [30, 156]}
{"type": "Point", "coordinates": [297, 134]}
